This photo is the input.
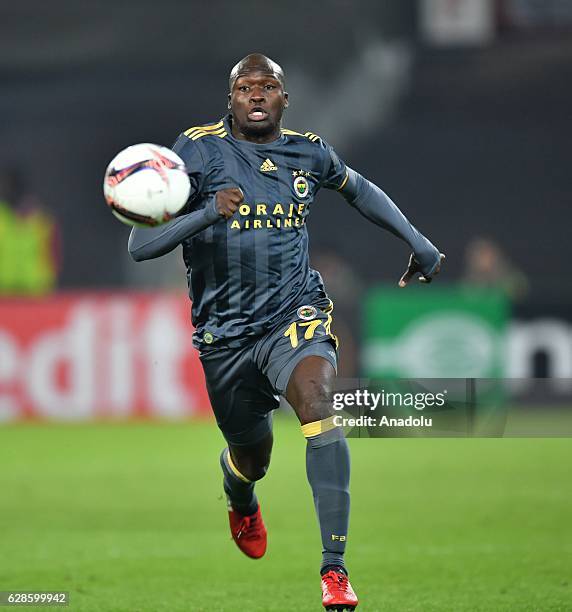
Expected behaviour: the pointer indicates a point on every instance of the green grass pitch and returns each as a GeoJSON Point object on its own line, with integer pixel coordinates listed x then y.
{"type": "Point", "coordinates": [131, 518]}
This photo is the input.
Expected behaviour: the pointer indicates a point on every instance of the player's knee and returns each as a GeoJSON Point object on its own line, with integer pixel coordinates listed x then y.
{"type": "Point", "coordinates": [313, 401]}
{"type": "Point", "coordinates": [252, 461]}
{"type": "Point", "coordinates": [254, 472]}
{"type": "Point", "coordinates": [259, 473]}
{"type": "Point", "coordinates": [253, 468]}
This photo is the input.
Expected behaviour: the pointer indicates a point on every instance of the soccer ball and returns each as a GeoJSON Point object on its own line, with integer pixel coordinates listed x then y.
{"type": "Point", "coordinates": [146, 184]}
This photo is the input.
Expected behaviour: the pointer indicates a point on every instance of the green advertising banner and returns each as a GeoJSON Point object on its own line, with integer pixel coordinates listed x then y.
{"type": "Point", "coordinates": [434, 332]}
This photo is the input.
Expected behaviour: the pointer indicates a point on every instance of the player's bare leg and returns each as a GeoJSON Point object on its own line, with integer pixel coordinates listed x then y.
{"type": "Point", "coordinates": [328, 468]}
{"type": "Point", "coordinates": [242, 466]}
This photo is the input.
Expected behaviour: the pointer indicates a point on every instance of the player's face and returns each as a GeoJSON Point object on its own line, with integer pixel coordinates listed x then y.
{"type": "Point", "coordinates": [257, 101]}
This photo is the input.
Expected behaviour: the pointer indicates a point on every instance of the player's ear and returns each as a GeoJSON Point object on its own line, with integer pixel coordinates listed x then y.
{"type": "Point", "coordinates": [285, 99]}
{"type": "Point", "coordinates": [228, 105]}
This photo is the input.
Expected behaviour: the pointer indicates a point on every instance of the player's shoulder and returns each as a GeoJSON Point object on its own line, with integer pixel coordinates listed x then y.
{"type": "Point", "coordinates": [303, 137]}
{"type": "Point", "coordinates": [215, 129]}
{"type": "Point", "coordinates": [200, 142]}
{"type": "Point", "coordinates": [334, 171]}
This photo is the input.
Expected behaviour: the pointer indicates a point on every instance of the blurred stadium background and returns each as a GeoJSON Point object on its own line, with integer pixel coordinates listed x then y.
{"type": "Point", "coordinates": [459, 109]}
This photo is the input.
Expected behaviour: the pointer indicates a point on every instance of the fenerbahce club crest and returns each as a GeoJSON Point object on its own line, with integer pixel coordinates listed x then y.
{"type": "Point", "coordinates": [301, 185]}
{"type": "Point", "coordinates": [306, 313]}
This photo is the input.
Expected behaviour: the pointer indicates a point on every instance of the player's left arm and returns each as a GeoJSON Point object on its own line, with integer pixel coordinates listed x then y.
{"type": "Point", "coordinates": [376, 206]}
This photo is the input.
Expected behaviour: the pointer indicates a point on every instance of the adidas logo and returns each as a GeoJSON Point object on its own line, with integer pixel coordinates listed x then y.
{"type": "Point", "coordinates": [268, 165]}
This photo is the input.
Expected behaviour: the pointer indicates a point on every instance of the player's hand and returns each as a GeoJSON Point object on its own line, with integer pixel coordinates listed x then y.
{"type": "Point", "coordinates": [228, 201]}
{"type": "Point", "coordinates": [414, 268]}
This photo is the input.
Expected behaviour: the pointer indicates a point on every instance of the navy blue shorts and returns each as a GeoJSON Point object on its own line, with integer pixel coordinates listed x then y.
{"type": "Point", "coordinates": [244, 383]}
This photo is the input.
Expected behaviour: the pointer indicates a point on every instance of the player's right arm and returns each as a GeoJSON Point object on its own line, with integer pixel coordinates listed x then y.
{"type": "Point", "coordinates": [148, 243]}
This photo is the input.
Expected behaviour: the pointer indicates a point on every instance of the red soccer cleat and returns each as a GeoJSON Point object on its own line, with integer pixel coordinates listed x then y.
{"type": "Point", "coordinates": [337, 592]}
{"type": "Point", "coordinates": [248, 532]}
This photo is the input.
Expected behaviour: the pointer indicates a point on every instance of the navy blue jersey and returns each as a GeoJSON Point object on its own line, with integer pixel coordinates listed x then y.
{"type": "Point", "coordinates": [247, 272]}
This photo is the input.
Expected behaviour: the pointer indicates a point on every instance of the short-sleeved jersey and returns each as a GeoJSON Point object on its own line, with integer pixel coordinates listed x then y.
{"type": "Point", "coordinates": [247, 272]}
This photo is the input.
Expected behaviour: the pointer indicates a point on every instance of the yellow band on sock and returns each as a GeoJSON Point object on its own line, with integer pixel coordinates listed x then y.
{"type": "Point", "coordinates": [234, 468]}
{"type": "Point", "coordinates": [317, 427]}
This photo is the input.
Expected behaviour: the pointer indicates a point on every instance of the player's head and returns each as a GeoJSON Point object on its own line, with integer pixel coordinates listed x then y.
{"type": "Point", "coordinates": [257, 97]}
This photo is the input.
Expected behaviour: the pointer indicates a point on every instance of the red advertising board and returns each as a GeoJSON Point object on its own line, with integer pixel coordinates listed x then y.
{"type": "Point", "coordinates": [84, 356]}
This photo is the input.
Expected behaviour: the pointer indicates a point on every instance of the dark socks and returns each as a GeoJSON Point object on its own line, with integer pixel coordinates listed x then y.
{"type": "Point", "coordinates": [239, 491]}
{"type": "Point", "coordinates": [328, 469]}
{"type": "Point", "coordinates": [335, 568]}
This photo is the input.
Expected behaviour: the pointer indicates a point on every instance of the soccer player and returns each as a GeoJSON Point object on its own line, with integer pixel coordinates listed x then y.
{"type": "Point", "coordinates": [261, 314]}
